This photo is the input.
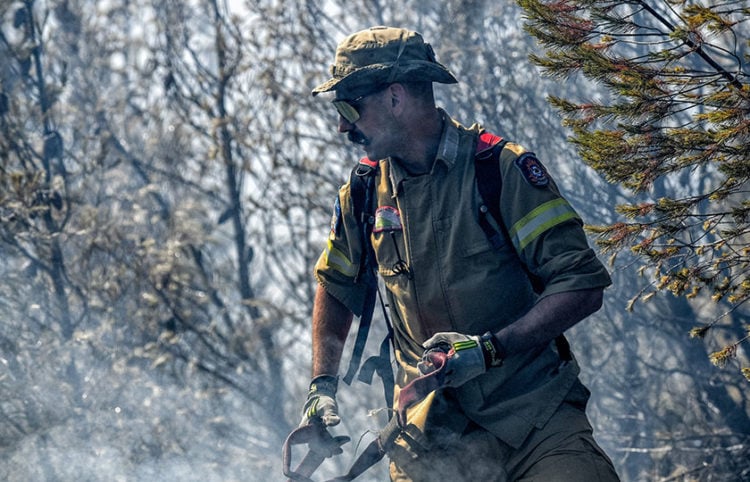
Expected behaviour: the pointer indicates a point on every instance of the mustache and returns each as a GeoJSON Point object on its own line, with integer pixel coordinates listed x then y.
{"type": "Point", "coordinates": [357, 137]}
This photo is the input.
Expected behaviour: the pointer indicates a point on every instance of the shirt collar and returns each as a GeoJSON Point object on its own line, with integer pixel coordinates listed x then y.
{"type": "Point", "coordinates": [447, 153]}
{"type": "Point", "coordinates": [449, 141]}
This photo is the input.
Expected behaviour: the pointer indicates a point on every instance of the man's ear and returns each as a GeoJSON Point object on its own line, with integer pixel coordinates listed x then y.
{"type": "Point", "coordinates": [398, 98]}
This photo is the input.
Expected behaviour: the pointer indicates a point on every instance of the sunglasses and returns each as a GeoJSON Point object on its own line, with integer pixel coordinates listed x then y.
{"type": "Point", "coordinates": [350, 109]}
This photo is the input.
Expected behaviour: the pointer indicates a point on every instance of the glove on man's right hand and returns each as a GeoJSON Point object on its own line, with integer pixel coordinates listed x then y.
{"type": "Point", "coordinates": [468, 356]}
{"type": "Point", "coordinates": [321, 402]}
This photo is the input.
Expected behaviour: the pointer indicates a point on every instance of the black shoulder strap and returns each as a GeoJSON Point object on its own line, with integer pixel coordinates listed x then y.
{"type": "Point", "coordinates": [362, 189]}
{"type": "Point", "coordinates": [490, 184]}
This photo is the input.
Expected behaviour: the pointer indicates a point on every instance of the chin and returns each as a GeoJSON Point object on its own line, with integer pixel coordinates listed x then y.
{"type": "Point", "coordinates": [374, 154]}
{"type": "Point", "coordinates": [370, 153]}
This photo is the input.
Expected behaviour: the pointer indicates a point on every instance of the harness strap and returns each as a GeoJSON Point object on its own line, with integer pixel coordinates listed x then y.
{"type": "Point", "coordinates": [362, 189]}
{"type": "Point", "coordinates": [381, 365]}
{"type": "Point", "coordinates": [362, 331]}
{"type": "Point", "coordinates": [489, 183]}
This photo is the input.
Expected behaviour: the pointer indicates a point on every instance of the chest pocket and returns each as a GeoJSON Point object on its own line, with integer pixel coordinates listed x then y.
{"type": "Point", "coordinates": [462, 237]}
{"type": "Point", "coordinates": [388, 242]}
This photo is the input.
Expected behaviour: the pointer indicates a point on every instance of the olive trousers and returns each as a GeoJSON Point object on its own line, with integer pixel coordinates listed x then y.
{"type": "Point", "coordinates": [563, 450]}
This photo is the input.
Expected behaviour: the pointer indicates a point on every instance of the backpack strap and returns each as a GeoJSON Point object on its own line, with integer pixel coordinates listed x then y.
{"type": "Point", "coordinates": [486, 141]}
{"type": "Point", "coordinates": [490, 184]}
{"type": "Point", "coordinates": [362, 189]}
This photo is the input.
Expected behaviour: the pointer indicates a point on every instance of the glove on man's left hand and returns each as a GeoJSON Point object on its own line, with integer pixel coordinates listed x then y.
{"type": "Point", "coordinates": [468, 356]}
{"type": "Point", "coordinates": [321, 402]}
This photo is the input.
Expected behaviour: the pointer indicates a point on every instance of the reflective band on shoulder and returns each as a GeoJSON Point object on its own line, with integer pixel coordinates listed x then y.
{"type": "Point", "coordinates": [337, 260]}
{"type": "Point", "coordinates": [539, 220]}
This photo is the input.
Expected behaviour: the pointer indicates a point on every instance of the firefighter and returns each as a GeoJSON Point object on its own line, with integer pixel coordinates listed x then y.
{"type": "Point", "coordinates": [511, 406]}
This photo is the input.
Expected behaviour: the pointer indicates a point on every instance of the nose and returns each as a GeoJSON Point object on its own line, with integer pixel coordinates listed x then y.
{"type": "Point", "coordinates": [344, 125]}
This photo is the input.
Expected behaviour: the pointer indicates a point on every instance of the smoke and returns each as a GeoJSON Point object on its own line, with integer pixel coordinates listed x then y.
{"type": "Point", "coordinates": [138, 426]}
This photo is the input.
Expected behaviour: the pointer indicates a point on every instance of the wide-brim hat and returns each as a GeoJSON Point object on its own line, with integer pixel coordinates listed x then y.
{"type": "Point", "coordinates": [383, 55]}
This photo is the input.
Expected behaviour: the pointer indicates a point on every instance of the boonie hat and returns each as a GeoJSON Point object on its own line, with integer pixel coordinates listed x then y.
{"type": "Point", "coordinates": [383, 55]}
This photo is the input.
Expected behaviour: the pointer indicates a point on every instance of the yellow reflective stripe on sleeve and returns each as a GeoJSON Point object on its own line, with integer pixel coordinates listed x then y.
{"type": "Point", "coordinates": [539, 220]}
{"type": "Point", "coordinates": [337, 260]}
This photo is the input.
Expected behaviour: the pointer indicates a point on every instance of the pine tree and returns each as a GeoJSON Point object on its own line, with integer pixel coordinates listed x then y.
{"type": "Point", "coordinates": [674, 130]}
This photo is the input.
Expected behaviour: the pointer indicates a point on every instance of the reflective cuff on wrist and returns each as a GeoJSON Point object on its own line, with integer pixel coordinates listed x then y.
{"type": "Point", "coordinates": [492, 349]}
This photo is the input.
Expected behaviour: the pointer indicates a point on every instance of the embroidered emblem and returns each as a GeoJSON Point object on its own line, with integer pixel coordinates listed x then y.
{"type": "Point", "coordinates": [336, 219]}
{"type": "Point", "coordinates": [387, 218]}
{"type": "Point", "coordinates": [532, 170]}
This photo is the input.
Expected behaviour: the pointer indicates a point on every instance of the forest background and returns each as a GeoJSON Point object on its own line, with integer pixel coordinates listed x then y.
{"type": "Point", "coordinates": [166, 183]}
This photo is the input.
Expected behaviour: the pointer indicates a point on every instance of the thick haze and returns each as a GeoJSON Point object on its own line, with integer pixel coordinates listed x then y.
{"type": "Point", "coordinates": [166, 182]}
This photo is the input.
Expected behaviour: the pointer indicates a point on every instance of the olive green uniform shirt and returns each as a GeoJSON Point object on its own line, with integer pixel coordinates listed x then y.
{"type": "Point", "coordinates": [442, 274]}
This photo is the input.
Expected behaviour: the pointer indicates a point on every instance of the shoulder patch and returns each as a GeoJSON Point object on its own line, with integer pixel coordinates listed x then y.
{"type": "Point", "coordinates": [532, 170]}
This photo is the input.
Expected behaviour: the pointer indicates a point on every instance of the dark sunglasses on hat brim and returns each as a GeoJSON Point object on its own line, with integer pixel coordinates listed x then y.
{"type": "Point", "coordinates": [349, 108]}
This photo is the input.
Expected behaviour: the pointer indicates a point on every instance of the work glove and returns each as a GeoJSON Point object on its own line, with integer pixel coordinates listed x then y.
{"type": "Point", "coordinates": [468, 356]}
{"type": "Point", "coordinates": [321, 402]}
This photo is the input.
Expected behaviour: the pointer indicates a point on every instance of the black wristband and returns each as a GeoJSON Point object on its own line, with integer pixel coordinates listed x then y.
{"type": "Point", "coordinates": [492, 350]}
{"type": "Point", "coordinates": [324, 384]}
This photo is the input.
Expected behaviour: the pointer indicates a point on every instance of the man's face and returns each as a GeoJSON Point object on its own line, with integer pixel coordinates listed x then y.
{"type": "Point", "coordinates": [364, 121]}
